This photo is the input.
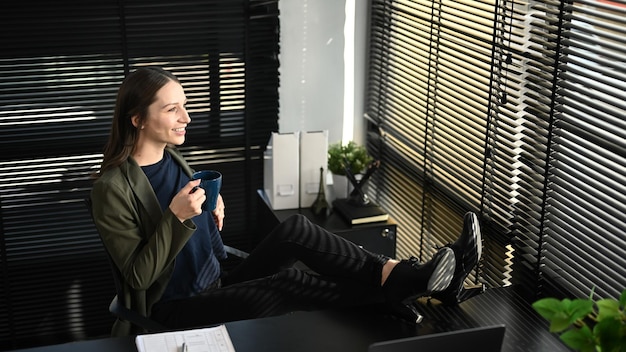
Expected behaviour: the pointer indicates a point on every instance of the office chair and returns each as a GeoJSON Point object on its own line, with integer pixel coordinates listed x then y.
{"type": "Point", "coordinates": [117, 307]}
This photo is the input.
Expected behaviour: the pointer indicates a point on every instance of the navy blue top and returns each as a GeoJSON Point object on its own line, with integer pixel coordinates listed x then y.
{"type": "Point", "coordinates": [197, 264]}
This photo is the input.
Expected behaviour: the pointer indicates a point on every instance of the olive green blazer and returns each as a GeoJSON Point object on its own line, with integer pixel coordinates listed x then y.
{"type": "Point", "coordinates": [142, 240]}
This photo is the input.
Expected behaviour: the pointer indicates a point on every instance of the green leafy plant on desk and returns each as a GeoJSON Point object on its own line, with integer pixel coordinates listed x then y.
{"type": "Point", "coordinates": [355, 155]}
{"type": "Point", "coordinates": [585, 324]}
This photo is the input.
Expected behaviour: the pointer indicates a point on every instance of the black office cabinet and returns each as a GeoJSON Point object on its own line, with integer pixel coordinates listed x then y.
{"type": "Point", "coordinates": [378, 237]}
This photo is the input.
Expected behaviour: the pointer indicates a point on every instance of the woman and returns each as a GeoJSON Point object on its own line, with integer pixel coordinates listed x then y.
{"type": "Point", "coordinates": [148, 212]}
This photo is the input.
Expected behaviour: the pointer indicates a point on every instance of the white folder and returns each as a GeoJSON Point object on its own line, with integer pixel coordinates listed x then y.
{"type": "Point", "coordinates": [281, 170]}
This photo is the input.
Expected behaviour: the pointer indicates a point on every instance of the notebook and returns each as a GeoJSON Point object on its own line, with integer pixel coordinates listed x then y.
{"type": "Point", "coordinates": [483, 339]}
{"type": "Point", "coordinates": [356, 215]}
{"type": "Point", "coordinates": [212, 339]}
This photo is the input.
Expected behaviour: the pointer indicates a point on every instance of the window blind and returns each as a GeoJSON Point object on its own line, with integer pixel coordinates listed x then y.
{"type": "Point", "coordinates": [428, 98]}
{"type": "Point", "coordinates": [525, 126]}
{"type": "Point", "coordinates": [61, 65]}
{"type": "Point", "coordinates": [575, 61]}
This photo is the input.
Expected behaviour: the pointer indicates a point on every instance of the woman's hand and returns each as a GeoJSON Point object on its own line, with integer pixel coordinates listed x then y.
{"type": "Point", "coordinates": [187, 203]}
{"type": "Point", "coordinates": [218, 213]}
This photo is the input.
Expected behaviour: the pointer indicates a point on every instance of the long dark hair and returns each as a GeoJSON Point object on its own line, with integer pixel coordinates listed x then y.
{"type": "Point", "coordinates": [137, 92]}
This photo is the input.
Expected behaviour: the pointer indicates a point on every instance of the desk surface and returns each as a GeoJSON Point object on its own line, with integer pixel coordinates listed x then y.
{"type": "Point", "coordinates": [333, 222]}
{"type": "Point", "coordinates": [355, 330]}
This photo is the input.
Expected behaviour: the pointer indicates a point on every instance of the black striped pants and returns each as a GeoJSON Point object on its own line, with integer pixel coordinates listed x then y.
{"type": "Point", "coordinates": [266, 283]}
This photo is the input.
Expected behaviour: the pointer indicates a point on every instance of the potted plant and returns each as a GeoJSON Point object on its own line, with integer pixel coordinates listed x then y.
{"type": "Point", "coordinates": [352, 161]}
{"type": "Point", "coordinates": [585, 324]}
{"type": "Point", "coordinates": [355, 155]}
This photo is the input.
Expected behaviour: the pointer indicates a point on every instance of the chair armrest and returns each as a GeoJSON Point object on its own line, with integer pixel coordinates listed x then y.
{"type": "Point", "coordinates": [236, 252]}
{"type": "Point", "coordinates": [121, 312]}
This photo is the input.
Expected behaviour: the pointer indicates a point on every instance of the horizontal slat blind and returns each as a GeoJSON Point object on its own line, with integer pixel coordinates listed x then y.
{"type": "Point", "coordinates": [568, 210]}
{"type": "Point", "coordinates": [586, 196]}
{"type": "Point", "coordinates": [428, 98]}
{"type": "Point", "coordinates": [537, 109]}
{"type": "Point", "coordinates": [60, 68]}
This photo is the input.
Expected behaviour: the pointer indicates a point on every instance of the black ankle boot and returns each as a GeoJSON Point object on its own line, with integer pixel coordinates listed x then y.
{"type": "Point", "coordinates": [467, 250]}
{"type": "Point", "coordinates": [409, 279]}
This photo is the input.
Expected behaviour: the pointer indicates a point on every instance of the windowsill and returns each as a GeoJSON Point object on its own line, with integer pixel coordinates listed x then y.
{"type": "Point", "coordinates": [525, 329]}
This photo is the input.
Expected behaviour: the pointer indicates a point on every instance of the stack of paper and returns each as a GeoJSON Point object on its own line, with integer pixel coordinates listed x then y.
{"type": "Point", "coordinates": [214, 339]}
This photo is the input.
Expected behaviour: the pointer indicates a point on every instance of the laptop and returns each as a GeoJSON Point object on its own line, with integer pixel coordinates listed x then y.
{"type": "Point", "coordinates": [483, 339]}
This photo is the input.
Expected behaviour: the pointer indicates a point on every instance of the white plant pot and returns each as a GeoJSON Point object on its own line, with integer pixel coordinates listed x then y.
{"type": "Point", "coordinates": [340, 187]}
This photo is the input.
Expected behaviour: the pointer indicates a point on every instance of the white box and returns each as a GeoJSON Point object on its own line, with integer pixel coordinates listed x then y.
{"type": "Point", "coordinates": [313, 156]}
{"type": "Point", "coordinates": [281, 170]}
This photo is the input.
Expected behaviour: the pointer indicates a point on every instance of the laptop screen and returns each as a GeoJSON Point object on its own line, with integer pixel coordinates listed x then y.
{"type": "Point", "coordinates": [483, 339]}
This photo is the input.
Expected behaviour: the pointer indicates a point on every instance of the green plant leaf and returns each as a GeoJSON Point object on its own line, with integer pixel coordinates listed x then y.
{"type": "Point", "coordinates": [579, 309]}
{"type": "Point", "coordinates": [560, 321]}
{"type": "Point", "coordinates": [562, 313]}
{"type": "Point", "coordinates": [548, 307]}
{"type": "Point", "coordinates": [579, 339]}
{"type": "Point", "coordinates": [609, 333]}
{"type": "Point", "coordinates": [354, 155]}
{"type": "Point", "coordinates": [570, 318]}
{"type": "Point", "coordinates": [608, 309]}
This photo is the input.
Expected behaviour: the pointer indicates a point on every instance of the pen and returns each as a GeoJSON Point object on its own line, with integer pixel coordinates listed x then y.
{"type": "Point", "coordinates": [357, 188]}
{"type": "Point", "coordinates": [370, 170]}
{"type": "Point", "coordinates": [184, 348]}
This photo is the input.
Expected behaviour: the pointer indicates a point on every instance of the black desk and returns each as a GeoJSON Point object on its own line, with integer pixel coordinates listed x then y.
{"type": "Point", "coordinates": [378, 237]}
{"type": "Point", "coordinates": [354, 331]}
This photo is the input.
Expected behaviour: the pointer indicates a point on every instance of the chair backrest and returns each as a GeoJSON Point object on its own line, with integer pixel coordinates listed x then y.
{"type": "Point", "coordinates": [117, 276]}
{"type": "Point", "coordinates": [117, 306]}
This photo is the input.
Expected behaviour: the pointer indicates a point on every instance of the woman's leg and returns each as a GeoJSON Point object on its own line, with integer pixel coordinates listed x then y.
{"type": "Point", "coordinates": [348, 275]}
{"type": "Point", "coordinates": [286, 291]}
{"type": "Point", "coordinates": [325, 253]}
{"type": "Point", "coordinates": [330, 255]}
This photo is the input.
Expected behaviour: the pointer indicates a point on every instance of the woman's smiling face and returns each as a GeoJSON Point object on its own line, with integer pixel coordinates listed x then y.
{"type": "Point", "coordinates": [167, 117]}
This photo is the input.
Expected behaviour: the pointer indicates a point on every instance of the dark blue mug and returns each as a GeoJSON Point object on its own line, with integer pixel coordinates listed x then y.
{"type": "Point", "coordinates": [211, 182]}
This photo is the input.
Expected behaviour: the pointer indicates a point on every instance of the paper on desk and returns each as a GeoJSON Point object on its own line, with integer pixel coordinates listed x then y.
{"type": "Point", "coordinates": [214, 339]}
